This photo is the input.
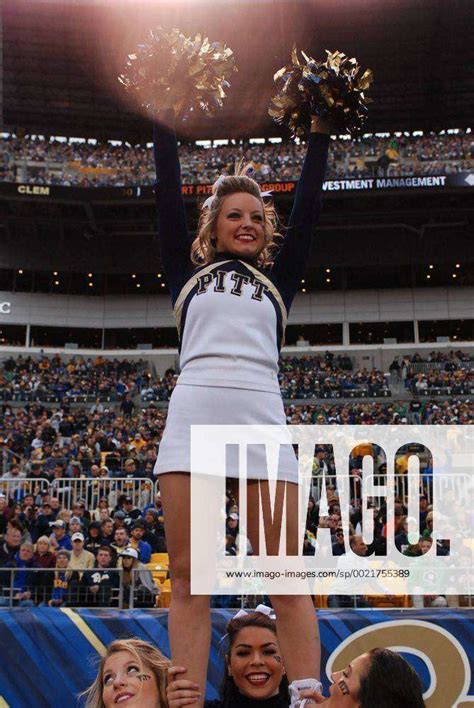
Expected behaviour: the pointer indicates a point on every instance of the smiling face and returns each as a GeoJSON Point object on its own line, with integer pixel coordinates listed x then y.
{"type": "Point", "coordinates": [126, 682]}
{"type": "Point", "coordinates": [240, 226]}
{"type": "Point", "coordinates": [346, 684]}
{"type": "Point", "coordinates": [255, 663]}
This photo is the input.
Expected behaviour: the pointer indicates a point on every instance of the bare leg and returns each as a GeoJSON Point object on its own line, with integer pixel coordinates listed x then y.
{"type": "Point", "coordinates": [298, 635]}
{"type": "Point", "coordinates": [189, 618]}
{"type": "Point", "coordinates": [297, 626]}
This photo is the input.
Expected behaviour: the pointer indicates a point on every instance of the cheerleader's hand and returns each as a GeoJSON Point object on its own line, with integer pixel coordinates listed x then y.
{"type": "Point", "coordinates": [318, 125]}
{"type": "Point", "coordinates": [181, 692]}
{"type": "Point", "coordinates": [312, 697]}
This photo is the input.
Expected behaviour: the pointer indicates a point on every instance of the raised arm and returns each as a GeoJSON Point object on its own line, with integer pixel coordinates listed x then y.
{"type": "Point", "coordinates": [175, 244]}
{"type": "Point", "coordinates": [292, 259]}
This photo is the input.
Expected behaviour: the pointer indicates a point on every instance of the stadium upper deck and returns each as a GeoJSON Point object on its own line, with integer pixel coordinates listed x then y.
{"type": "Point", "coordinates": [37, 160]}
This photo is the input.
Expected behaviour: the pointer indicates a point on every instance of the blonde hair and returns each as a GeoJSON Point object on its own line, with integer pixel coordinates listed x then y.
{"type": "Point", "coordinates": [45, 539]}
{"type": "Point", "coordinates": [146, 655]}
{"type": "Point", "coordinates": [203, 249]}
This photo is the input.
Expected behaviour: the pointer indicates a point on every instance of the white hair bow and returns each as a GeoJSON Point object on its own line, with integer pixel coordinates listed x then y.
{"type": "Point", "coordinates": [209, 201]}
{"type": "Point", "coordinates": [260, 608]}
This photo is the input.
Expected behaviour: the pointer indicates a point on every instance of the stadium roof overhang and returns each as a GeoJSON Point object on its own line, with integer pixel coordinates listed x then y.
{"type": "Point", "coordinates": [61, 59]}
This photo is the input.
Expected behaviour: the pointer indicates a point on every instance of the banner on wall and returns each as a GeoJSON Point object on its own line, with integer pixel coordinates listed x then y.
{"type": "Point", "coordinates": [51, 655]}
{"type": "Point", "coordinates": [460, 180]}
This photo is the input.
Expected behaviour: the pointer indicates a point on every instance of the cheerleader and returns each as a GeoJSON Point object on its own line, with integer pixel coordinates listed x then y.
{"type": "Point", "coordinates": [231, 289]}
{"type": "Point", "coordinates": [131, 671]}
{"type": "Point", "coordinates": [254, 675]}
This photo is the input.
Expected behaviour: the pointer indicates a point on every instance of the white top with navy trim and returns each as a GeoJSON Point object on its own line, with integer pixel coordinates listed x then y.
{"type": "Point", "coordinates": [233, 315]}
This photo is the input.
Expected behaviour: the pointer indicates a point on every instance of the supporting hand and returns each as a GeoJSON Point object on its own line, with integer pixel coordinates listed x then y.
{"type": "Point", "coordinates": [181, 692]}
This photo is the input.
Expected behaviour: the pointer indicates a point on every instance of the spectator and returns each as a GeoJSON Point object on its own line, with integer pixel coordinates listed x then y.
{"type": "Point", "coordinates": [101, 582]}
{"type": "Point", "coordinates": [10, 544]}
{"type": "Point", "coordinates": [121, 541]}
{"type": "Point", "coordinates": [80, 559]}
{"type": "Point", "coordinates": [358, 546]}
{"type": "Point", "coordinates": [127, 406]}
{"type": "Point", "coordinates": [25, 581]}
{"type": "Point", "coordinates": [63, 581]}
{"type": "Point", "coordinates": [94, 538]}
{"type": "Point", "coordinates": [102, 505]}
{"type": "Point", "coordinates": [132, 513]}
{"type": "Point", "coordinates": [75, 525]}
{"type": "Point", "coordinates": [154, 531]}
{"type": "Point", "coordinates": [44, 520]}
{"type": "Point", "coordinates": [136, 541]}
{"type": "Point", "coordinates": [43, 555]}
{"type": "Point", "coordinates": [232, 526]}
{"type": "Point", "coordinates": [146, 591]}
{"type": "Point", "coordinates": [130, 469]}
{"type": "Point", "coordinates": [60, 538]}
{"type": "Point", "coordinates": [79, 510]}
{"type": "Point", "coordinates": [107, 532]}
{"type": "Point", "coordinates": [427, 533]}
{"type": "Point", "coordinates": [338, 543]}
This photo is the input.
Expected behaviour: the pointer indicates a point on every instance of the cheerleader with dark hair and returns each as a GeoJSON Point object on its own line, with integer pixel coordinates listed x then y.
{"type": "Point", "coordinates": [254, 672]}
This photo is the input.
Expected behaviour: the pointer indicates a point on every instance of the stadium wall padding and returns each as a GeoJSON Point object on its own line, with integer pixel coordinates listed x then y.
{"type": "Point", "coordinates": [51, 655]}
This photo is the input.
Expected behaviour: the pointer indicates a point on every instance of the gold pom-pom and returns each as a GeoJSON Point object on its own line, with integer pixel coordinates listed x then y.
{"type": "Point", "coordinates": [171, 70]}
{"type": "Point", "coordinates": [331, 90]}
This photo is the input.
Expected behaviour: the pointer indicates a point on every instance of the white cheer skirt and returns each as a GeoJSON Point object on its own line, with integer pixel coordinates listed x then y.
{"type": "Point", "coordinates": [212, 405]}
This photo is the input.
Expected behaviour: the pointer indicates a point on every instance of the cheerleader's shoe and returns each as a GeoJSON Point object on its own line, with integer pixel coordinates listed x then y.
{"type": "Point", "coordinates": [296, 687]}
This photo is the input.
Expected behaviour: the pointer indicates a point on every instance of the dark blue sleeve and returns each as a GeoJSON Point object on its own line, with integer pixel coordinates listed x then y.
{"type": "Point", "coordinates": [292, 259]}
{"type": "Point", "coordinates": [175, 246]}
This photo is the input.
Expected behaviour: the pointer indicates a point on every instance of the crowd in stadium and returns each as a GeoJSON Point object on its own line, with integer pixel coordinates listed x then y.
{"type": "Point", "coordinates": [100, 377]}
{"type": "Point", "coordinates": [79, 542]}
{"type": "Point", "coordinates": [78, 497]}
{"type": "Point", "coordinates": [29, 379]}
{"type": "Point", "coordinates": [79, 549]}
{"type": "Point", "coordinates": [43, 161]}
